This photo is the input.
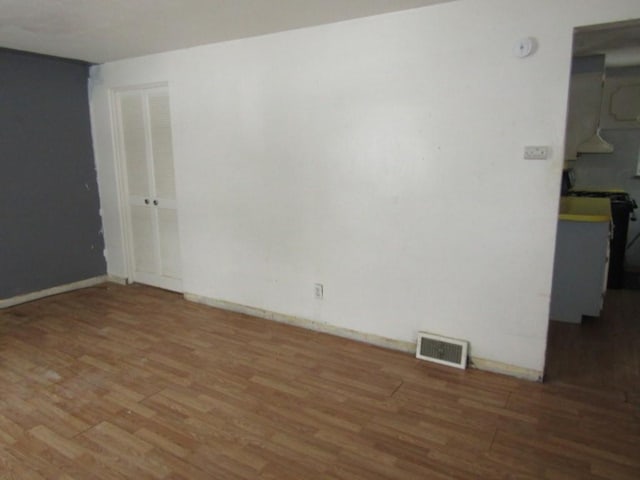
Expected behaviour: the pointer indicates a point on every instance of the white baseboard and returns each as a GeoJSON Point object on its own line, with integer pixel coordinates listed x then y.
{"type": "Point", "coordinates": [29, 297]}
{"type": "Point", "coordinates": [117, 279]}
{"type": "Point", "coordinates": [400, 345]}
{"type": "Point", "coordinates": [306, 323]}
{"type": "Point", "coordinates": [506, 369]}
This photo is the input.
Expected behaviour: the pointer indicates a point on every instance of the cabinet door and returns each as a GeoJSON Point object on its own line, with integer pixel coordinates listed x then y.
{"type": "Point", "coordinates": [580, 270]}
{"type": "Point", "coordinates": [147, 147]}
{"type": "Point", "coordinates": [621, 103]}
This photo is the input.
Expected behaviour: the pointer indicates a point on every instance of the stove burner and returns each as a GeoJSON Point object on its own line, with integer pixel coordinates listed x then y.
{"type": "Point", "coordinates": [614, 196]}
{"type": "Point", "coordinates": [618, 199]}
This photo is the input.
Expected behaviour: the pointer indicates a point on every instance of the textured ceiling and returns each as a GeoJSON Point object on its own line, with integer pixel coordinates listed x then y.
{"type": "Point", "coordinates": [99, 30]}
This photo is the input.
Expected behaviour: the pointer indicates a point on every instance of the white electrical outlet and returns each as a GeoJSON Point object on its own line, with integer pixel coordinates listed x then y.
{"type": "Point", "coordinates": [318, 291]}
{"type": "Point", "coordinates": [536, 152]}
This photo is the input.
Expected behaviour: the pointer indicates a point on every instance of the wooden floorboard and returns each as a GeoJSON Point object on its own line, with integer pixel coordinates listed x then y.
{"type": "Point", "coordinates": [116, 382]}
{"type": "Point", "coordinates": [601, 353]}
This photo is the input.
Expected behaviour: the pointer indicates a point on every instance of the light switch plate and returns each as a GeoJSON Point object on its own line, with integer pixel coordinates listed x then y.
{"type": "Point", "coordinates": [536, 152]}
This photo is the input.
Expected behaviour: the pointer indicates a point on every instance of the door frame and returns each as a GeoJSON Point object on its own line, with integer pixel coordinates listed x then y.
{"type": "Point", "coordinates": [122, 183]}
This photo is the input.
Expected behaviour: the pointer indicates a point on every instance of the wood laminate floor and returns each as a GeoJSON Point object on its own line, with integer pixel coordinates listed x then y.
{"type": "Point", "coordinates": [601, 353]}
{"type": "Point", "coordinates": [133, 382]}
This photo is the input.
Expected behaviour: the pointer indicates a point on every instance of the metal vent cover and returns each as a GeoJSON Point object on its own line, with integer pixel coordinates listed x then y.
{"type": "Point", "coordinates": [443, 350]}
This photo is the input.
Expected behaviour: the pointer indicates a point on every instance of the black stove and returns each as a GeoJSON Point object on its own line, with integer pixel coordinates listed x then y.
{"type": "Point", "coordinates": [622, 210]}
{"type": "Point", "coordinates": [615, 196]}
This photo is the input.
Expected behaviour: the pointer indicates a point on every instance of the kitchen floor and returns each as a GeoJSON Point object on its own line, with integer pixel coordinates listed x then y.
{"type": "Point", "coordinates": [632, 280]}
{"type": "Point", "coordinates": [602, 353]}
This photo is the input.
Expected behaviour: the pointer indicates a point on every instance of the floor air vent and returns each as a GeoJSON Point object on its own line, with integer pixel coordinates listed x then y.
{"type": "Point", "coordinates": [446, 351]}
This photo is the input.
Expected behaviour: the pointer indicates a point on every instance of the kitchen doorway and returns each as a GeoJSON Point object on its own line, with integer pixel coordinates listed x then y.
{"type": "Point", "coordinates": [603, 155]}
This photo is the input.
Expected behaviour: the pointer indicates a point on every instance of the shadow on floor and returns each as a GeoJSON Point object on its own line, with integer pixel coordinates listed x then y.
{"type": "Point", "coordinates": [632, 280]}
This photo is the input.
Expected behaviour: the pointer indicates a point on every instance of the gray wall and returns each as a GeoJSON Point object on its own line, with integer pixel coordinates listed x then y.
{"type": "Point", "coordinates": [50, 228]}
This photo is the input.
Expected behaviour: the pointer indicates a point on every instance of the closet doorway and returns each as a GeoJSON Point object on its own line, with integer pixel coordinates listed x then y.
{"type": "Point", "coordinates": [148, 186]}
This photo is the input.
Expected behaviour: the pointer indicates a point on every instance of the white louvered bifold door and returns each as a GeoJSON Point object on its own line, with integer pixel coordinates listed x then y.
{"type": "Point", "coordinates": [145, 122]}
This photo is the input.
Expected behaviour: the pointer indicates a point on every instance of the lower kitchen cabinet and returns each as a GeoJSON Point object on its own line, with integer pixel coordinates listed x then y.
{"type": "Point", "coordinates": [580, 269]}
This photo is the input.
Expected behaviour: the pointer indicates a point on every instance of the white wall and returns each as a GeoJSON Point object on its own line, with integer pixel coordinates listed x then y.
{"type": "Point", "coordinates": [381, 157]}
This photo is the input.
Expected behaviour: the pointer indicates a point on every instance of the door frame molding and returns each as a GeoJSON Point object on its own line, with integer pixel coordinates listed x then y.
{"type": "Point", "coordinates": [122, 184]}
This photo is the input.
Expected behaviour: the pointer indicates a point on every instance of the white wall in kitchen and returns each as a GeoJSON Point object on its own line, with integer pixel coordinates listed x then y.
{"type": "Point", "coordinates": [381, 157]}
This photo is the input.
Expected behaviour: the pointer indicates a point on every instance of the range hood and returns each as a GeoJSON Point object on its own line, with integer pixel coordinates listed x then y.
{"type": "Point", "coordinates": [585, 103]}
{"type": "Point", "coordinates": [595, 144]}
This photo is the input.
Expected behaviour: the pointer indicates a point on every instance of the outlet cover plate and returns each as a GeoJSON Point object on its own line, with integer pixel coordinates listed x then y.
{"type": "Point", "coordinates": [536, 152]}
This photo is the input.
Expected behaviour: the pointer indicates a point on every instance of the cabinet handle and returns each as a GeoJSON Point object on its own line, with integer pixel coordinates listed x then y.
{"type": "Point", "coordinates": [146, 201]}
{"type": "Point", "coordinates": [155, 202]}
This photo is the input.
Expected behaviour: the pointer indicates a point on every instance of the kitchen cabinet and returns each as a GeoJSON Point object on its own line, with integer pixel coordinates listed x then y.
{"type": "Point", "coordinates": [581, 258]}
{"type": "Point", "coordinates": [621, 102]}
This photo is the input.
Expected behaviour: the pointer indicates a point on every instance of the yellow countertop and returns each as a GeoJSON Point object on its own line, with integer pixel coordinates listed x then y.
{"type": "Point", "coordinates": [585, 209]}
